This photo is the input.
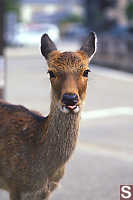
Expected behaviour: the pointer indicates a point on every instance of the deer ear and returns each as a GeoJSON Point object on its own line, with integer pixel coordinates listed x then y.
{"type": "Point", "coordinates": [47, 45]}
{"type": "Point", "coordinates": [90, 45]}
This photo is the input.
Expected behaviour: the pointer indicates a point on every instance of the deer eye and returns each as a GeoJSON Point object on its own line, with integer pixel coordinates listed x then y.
{"type": "Point", "coordinates": [51, 74]}
{"type": "Point", "coordinates": [85, 73]}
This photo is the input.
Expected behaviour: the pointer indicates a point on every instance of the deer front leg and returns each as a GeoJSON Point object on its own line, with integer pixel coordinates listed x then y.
{"type": "Point", "coordinates": [28, 196]}
{"type": "Point", "coordinates": [15, 196]}
{"type": "Point", "coordinates": [54, 180]}
{"type": "Point", "coordinates": [51, 185]}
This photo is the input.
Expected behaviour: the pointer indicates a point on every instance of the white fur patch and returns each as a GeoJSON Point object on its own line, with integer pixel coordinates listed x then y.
{"type": "Point", "coordinates": [66, 110]}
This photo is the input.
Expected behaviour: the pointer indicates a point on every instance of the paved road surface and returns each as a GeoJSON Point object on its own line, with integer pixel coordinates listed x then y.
{"type": "Point", "coordinates": [104, 156]}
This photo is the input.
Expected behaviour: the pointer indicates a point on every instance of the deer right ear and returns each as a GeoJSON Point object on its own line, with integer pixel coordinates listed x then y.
{"type": "Point", "coordinates": [90, 45]}
{"type": "Point", "coordinates": [47, 45]}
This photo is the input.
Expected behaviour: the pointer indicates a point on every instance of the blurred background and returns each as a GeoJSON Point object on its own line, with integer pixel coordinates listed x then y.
{"type": "Point", "coordinates": [22, 22]}
{"type": "Point", "coordinates": [103, 159]}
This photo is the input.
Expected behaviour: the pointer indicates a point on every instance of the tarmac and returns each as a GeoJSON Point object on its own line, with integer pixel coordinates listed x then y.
{"type": "Point", "coordinates": [103, 158]}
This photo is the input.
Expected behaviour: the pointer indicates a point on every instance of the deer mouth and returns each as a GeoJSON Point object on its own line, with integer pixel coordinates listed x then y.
{"type": "Point", "coordinates": [70, 108]}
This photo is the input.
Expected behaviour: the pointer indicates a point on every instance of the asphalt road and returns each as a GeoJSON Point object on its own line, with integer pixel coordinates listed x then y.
{"type": "Point", "coordinates": [103, 159]}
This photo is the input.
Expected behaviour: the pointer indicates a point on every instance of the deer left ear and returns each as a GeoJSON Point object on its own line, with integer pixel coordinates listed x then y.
{"type": "Point", "coordinates": [47, 45]}
{"type": "Point", "coordinates": [90, 45]}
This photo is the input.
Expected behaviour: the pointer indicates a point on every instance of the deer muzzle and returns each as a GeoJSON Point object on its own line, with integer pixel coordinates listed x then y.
{"type": "Point", "coordinates": [70, 102]}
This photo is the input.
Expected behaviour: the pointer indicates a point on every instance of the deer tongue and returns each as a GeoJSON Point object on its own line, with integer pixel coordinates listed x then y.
{"type": "Point", "coordinates": [71, 107]}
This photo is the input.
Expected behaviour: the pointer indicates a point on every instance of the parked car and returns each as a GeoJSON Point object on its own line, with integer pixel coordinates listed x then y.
{"type": "Point", "coordinates": [30, 35]}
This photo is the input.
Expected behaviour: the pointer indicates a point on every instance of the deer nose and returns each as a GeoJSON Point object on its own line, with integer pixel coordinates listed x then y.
{"type": "Point", "coordinates": [70, 99]}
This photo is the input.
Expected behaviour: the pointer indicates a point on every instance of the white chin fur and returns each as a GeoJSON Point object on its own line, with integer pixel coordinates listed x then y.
{"type": "Point", "coordinates": [64, 109]}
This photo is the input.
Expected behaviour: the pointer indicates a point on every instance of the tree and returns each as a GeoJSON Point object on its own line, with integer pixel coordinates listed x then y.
{"type": "Point", "coordinates": [2, 11]}
{"type": "Point", "coordinates": [105, 4]}
{"type": "Point", "coordinates": [129, 11]}
{"type": "Point", "coordinates": [129, 15]}
{"type": "Point", "coordinates": [12, 5]}
{"type": "Point", "coordinates": [96, 13]}
{"type": "Point", "coordinates": [2, 60]}
{"type": "Point", "coordinates": [5, 6]}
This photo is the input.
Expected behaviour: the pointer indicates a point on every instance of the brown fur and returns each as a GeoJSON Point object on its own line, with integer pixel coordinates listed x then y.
{"type": "Point", "coordinates": [69, 68]}
{"type": "Point", "coordinates": [34, 149]}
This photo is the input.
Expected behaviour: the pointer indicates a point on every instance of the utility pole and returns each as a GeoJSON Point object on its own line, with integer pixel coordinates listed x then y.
{"type": "Point", "coordinates": [2, 46]}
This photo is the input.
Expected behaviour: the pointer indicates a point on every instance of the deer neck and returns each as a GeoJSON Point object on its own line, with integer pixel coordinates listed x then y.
{"type": "Point", "coordinates": [61, 136]}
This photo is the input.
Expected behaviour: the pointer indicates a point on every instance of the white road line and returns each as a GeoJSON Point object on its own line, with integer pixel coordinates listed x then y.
{"type": "Point", "coordinates": [109, 112]}
{"type": "Point", "coordinates": [113, 74]}
{"type": "Point", "coordinates": [109, 152]}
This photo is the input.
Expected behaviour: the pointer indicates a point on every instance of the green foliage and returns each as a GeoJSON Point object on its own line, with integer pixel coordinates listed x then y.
{"type": "Point", "coordinates": [72, 19]}
{"type": "Point", "coordinates": [12, 5]}
{"type": "Point", "coordinates": [129, 11]}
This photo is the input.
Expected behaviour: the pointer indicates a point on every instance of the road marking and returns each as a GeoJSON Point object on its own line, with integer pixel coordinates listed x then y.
{"type": "Point", "coordinates": [110, 152]}
{"type": "Point", "coordinates": [109, 112]}
{"type": "Point", "coordinates": [113, 74]}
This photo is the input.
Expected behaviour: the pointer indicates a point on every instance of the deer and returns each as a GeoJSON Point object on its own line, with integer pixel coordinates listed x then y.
{"type": "Point", "coordinates": [34, 149]}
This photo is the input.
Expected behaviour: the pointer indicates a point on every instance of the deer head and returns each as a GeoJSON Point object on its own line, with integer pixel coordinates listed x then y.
{"type": "Point", "coordinates": [68, 73]}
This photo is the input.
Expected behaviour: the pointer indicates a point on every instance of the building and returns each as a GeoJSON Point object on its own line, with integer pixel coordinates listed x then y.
{"type": "Point", "coordinates": [49, 10]}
